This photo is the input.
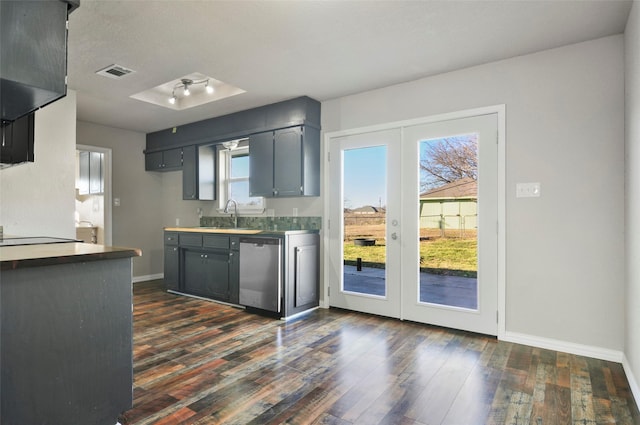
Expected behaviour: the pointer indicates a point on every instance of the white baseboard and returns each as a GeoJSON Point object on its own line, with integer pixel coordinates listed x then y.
{"type": "Point", "coordinates": [147, 277]}
{"type": "Point", "coordinates": [563, 346]}
{"type": "Point", "coordinates": [635, 389]}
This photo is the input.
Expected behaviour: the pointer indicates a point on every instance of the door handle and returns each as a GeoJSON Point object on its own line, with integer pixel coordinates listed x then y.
{"type": "Point", "coordinates": [394, 236]}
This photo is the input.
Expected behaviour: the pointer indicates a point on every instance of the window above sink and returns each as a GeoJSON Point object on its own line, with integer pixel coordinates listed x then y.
{"type": "Point", "coordinates": [233, 179]}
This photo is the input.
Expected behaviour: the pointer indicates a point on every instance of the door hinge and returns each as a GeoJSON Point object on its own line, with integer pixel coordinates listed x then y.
{"type": "Point", "coordinates": [328, 156]}
{"type": "Point", "coordinates": [328, 224]}
{"type": "Point", "coordinates": [329, 291]}
{"type": "Point", "coordinates": [497, 316]}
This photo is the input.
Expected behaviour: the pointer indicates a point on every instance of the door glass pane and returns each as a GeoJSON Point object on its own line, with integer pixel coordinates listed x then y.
{"type": "Point", "coordinates": [364, 218]}
{"type": "Point", "coordinates": [448, 203]}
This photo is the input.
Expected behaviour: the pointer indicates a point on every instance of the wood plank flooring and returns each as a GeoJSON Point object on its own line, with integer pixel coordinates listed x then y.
{"type": "Point", "coordinates": [198, 362]}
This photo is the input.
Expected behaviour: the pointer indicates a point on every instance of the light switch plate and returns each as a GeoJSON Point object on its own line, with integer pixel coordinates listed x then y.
{"type": "Point", "coordinates": [527, 190]}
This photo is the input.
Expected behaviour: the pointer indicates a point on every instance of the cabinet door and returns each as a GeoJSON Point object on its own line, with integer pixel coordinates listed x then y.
{"type": "Point", "coordinates": [172, 158]}
{"type": "Point", "coordinates": [234, 277]}
{"type": "Point", "coordinates": [261, 164]}
{"type": "Point", "coordinates": [207, 274]}
{"type": "Point", "coordinates": [153, 161]}
{"type": "Point", "coordinates": [96, 184]}
{"type": "Point", "coordinates": [83, 173]}
{"type": "Point", "coordinates": [171, 267]}
{"type": "Point", "coordinates": [306, 275]}
{"type": "Point", "coordinates": [287, 159]}
{"type": "Point", "coordinates": [189, 173]}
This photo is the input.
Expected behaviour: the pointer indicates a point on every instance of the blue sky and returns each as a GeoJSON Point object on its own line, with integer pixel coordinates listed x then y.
{"type": "Point", "coordinates": [365, 172]}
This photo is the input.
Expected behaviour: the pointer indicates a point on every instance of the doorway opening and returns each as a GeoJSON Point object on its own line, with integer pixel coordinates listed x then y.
{"type": "Point", "coordinates": [93, 195]}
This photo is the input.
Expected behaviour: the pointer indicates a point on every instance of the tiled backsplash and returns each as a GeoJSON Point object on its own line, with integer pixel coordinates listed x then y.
{"type": "Point", "coordinates": [265, 223]}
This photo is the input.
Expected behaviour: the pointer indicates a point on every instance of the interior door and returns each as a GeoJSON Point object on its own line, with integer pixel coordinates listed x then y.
{"type": "Point", "coordinates": [364, 228]}
{"type": "Point", "coordinates": [466, 208]}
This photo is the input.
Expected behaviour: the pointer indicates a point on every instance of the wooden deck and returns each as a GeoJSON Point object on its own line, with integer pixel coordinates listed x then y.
{"type": "Point", "coordinates": [198, 362]}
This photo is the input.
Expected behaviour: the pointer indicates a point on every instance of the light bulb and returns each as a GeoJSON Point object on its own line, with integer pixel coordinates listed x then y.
{"type": "Point", "coordinates": [186, 91]}
{"type": "Point", "coordinates": [172, 100]}
{"type": "Point", "coordinates": [209, 88]}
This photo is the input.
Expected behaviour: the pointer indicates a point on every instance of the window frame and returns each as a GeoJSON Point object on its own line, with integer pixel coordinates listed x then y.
{"type": "Point", "coordinates": [224, 178]}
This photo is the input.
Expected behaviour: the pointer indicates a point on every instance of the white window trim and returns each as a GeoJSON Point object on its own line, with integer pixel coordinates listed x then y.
{"type": "Point", "coordinates": [224, 162]}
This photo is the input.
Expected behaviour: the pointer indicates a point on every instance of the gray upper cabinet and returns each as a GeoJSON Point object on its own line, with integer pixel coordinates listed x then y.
{"type": "Point", "coordinates": [261, 164]}
{"type": "Point", "coordinates": [168, 160]}
{"type": "Point", "coordinates": [288, 176]}
{"type": "Point", "coordinates": [198, 173]}
{"type": "Point", "coordinates": [285, 163]}
{"type": "Point", "coordinates": [90, 173]}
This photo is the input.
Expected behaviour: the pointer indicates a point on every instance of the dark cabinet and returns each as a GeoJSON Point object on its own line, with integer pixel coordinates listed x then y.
{"type": "Point", "coordinates": [285, 163]}
{"type": "Point", "coordinates": [206, 273]}
{"type": "Point", "coordinates": [261, 164]}
{"type": "Point", "coordinates": [302, 279]}
{"type": "Point", "coordinates": [202, 264]}
{"type": "Point", "coordinates": [17, 140]}
{"type": "Point", "coordinates": [208, 265]}
{"type": "Point", "coordinates": [168, 160]}
{"type": "Point", "coordinates": [171, 261]}
{"type": "Point", "coordinates": [199, 173]}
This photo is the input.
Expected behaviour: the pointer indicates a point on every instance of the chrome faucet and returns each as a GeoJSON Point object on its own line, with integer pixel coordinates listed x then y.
{"type": "Point", "coordinates": [234, 214]}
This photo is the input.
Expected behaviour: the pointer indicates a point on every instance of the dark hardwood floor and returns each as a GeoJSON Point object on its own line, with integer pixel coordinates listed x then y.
{"type": "Point", "coordinates": [198, 362]}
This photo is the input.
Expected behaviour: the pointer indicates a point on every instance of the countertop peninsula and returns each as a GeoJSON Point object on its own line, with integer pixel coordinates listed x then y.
{"type": "Point", "coordinates": [13, 257]}
{"type": "Point", "coordinates": [66, 331]}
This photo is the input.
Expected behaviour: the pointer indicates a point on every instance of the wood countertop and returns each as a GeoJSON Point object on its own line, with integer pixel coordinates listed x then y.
{"type": "Point", "coordinates": [13, 257]}
{"type": "Point", "coordinates": [233, 231]}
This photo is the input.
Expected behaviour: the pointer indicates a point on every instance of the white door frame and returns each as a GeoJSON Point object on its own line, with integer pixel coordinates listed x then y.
{"type": "Point", "coordinates": [500, 110]}
{"type": "Point", "coordinates": [108, 238]}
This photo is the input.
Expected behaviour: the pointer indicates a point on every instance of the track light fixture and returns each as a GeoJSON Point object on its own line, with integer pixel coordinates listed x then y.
{"type": "Point", "coordinates": [185, 85]}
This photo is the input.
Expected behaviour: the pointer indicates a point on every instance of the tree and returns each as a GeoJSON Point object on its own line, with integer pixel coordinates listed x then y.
{"type": "Point", "coordinates": [447, 160]}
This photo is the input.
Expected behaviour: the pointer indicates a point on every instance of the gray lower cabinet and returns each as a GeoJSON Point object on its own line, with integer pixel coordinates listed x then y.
{"type": "Point", "coordinates": [202, 264]}
{"type": "Point", "coordinates": [172, 267]}
{"type": "Point", "coordinates": [208, 265]}
{"type": "Point", "coordinates": [171, 261]}
{"type": "Point", "coordinates": [302, 280]}
{"type": "Point", "coordinates": [285, 163]}
{"type": "Point", "coordinates": [206, 273]}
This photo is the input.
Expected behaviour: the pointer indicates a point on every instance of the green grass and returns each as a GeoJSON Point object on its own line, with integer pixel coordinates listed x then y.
{"type": "Point", "coordinates": [453, 256]}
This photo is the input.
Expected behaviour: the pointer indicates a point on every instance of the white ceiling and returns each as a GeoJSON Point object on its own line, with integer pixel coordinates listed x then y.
{"type": "Point", "coordinates": [277, 50]}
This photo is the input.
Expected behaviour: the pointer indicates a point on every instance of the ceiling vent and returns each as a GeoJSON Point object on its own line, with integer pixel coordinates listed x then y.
{"type": "Point", "coordinates": [115, 71]}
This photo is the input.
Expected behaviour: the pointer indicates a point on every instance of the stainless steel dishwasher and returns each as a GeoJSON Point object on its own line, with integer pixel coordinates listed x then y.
{"type": "Point", "coordinates": [261, 272]}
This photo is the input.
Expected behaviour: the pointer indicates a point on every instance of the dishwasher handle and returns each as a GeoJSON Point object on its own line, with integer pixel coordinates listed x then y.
{"type": "Point", "coordinates": [261, 241]}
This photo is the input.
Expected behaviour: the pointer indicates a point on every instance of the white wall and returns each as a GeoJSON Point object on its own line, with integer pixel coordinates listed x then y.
{"type": "Point", "coordinates": [37, 199]}
{"type": "Point", "coordinates": [632, 108]}
{"type": "Point", "coordinates": [137, 222]}
{"type": "Point", "coordinates": [565, 129]}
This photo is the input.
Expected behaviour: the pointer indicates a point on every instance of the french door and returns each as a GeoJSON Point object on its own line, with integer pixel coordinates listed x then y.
{"type": "Point", "coordinates": [365, 178]}
{"type": "Point", "coordinates": [412, 234]}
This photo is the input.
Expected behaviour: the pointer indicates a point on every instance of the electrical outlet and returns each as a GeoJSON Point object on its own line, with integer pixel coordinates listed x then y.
{"type": "Point", "coordinates": [116, 202]}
